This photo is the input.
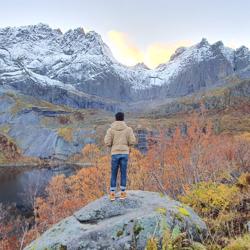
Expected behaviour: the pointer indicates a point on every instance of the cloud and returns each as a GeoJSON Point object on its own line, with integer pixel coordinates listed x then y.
{"type": "Point", "coordinates": [126, 51]}
{"type": "Point", "coordinates": [158, 53]}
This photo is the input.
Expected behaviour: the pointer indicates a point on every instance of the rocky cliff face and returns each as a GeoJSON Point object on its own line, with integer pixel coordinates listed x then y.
{"type": "Point", "coordinates": [121, 224]}
{"type": "Point", "coordinates": [78, 69]}
{"type": "Point", "coordinates": [40, 129]}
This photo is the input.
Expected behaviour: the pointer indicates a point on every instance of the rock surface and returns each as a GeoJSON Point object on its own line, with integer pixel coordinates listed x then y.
{"type": "Point", "coordinates": [26, 126]}
{"type": "Point", "coordinates": [103, 224]}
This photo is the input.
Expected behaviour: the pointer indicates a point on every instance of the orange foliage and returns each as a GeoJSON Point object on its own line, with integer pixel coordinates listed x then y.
{"type": "Point", "coordinates": [65, 195]}
{"type": "Point", "coordinates": [199, 155]}
{"type": "Point", "coordinates": [171, 165]}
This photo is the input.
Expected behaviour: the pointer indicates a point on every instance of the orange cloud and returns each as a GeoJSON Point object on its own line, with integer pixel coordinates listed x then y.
{"type": "Point", "coordinates": [124, 49]}
{"type": "Point", "coordinates": [158, 53]}
{"type": "Point", "coordinates": [128, 53]}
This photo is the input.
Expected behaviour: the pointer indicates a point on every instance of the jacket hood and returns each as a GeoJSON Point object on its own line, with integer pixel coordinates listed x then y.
{"type": "Point", "coordinates": [119, 125]}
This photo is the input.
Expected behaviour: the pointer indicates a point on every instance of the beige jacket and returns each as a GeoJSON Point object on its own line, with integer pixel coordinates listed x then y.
{"type": "Point", "coordinates": [119, 137]}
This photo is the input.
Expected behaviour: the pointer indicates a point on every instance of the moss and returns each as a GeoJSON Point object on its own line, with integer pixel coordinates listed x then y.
{"type": "Point", "coordinates": [179, 217]}
{"type": "Point", "coordinates": [198, 246]}
{"type": "Point", "coordinates": [176, 232]}
{"type": "Point", "coordinates": [183, 211]}
{"type": "Point", "coordinates": [161, 195]}
{"type": "Point", "coordinates": [161, 210]}
{"type": "Point", "coordinates": [5, 129]}
{"type": "Point", "coordinates": [137, 229]}
{"type": "Point", "coordinates": [62, 247]}
{"type": "Point", "coordinates": [66, 133]}
{"type": "Point", "coordinates": [119, 233]}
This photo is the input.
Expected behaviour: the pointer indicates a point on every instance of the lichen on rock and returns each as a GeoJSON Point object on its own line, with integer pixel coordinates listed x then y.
{"type": "Point", "coordinates": [103, 224]}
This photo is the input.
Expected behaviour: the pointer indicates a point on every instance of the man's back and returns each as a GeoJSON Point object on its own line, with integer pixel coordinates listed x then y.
{"type": "Point", "coordinates": [119, 136]}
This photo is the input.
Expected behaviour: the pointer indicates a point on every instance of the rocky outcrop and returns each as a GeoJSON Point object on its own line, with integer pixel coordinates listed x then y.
{"type": "Point", "coordinates": [8, 149]}
{"type": "Point", "coordinates": [25, 124]}
{"type": "Point", "coordinates": [126, 224]}
{"type": "Point", "coordinates": [233, 95]}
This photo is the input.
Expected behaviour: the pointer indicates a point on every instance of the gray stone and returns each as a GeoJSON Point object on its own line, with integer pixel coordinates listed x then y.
{"type": "Point", "coordinates": [33, 137]}
{"type": "Point", "coordinates": [103, 224]}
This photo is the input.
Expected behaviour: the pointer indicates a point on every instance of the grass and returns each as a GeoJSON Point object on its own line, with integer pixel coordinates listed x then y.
{"type": "Point", "coordinates": [240, 243]}
{"type": "Point", "coordinates": [183, 211]}
{"type": "Point", "coordinates": [5, 129]}
{"type": "Point", "coordinates": [25, 102]}
{"type": "Point", "coordinates": [2, 158]}
{"type": "Point", "coordinates": [66, 133]}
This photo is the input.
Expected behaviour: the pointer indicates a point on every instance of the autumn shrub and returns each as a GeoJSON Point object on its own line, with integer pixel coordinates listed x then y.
{"type": "Point", "coordinates": [190, 165]}
{"type": "Point", "coordinates": [175, 240]}
{"type": "Point", "coordinates": [64, 119]}
{"type": "Point", "coordinates": [66, 133]}
{"type": "Point", "coordinates": [224, 207]}
{"type": "Point", "coordinates": [240, 243]}
{"type": "Point", "coordinates": [210, 198]}
{"type": "Point", "coordinates": [198, 155]}
{"type": "Point", "coordinates": [79, 116]}
{"type": "Point", "coordinates": [64, 195]}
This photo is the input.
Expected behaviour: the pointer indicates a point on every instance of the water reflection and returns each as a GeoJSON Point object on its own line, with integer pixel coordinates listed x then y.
{"type": "Point", "coordinates": [21, 187]}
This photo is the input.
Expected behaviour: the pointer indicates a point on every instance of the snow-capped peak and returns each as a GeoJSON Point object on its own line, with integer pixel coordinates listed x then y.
{"type": "Point", "coordinates": [83, 60]}
{"type": "Point", "coordinates": [203, 42]}
{"type": "Point", "coordinates": [242, 51]}
{"type": "Point", "coordinates": [140, 66]}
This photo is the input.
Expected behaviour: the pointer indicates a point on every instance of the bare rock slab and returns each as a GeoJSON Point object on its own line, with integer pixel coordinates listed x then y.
{"type": "Point", "coordinates": [125, 224]}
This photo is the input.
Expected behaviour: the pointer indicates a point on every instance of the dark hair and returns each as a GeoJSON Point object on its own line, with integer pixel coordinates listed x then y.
{"type": "Point", "coordinates": [119, 116]}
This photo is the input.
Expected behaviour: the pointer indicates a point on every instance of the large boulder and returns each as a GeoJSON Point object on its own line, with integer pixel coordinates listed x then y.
{"type": "Point", "coordinates": [126, 224]}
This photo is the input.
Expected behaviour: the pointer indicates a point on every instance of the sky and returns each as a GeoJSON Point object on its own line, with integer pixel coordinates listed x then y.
{"type": "Point", "coordinates": [146, 31]}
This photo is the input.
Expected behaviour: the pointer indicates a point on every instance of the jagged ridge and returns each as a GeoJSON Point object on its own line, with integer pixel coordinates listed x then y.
{"type": "Point", "coordinates": [38, 60]}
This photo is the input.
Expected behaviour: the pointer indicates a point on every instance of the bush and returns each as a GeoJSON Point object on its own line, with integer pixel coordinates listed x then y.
{"type": "Point", "coordinates": [64, 120]}
{"type": "Point", "coordinates": [224, 208]}
{"type": "Point", "coordinates": [240, 243]}
{"type": "Point", "coordinates": [209, 198]}
{"type": "Point", "coordinates": [66, 133]}
{"type": "Point", "coordinates": [78, 116]}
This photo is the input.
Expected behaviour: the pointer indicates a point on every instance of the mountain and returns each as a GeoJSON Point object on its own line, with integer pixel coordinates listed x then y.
{"type": "Point", "coordinates": [78, 69]}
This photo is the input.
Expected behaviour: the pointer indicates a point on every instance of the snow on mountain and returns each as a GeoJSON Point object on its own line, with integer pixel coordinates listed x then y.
{"type": "Point", "coordinates": [79, 61]}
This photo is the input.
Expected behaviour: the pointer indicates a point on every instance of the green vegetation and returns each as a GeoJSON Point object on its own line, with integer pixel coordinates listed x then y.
{"type": "Point", "coordinates": [5, 129]}
{"type": "Point", "coordinates": [240, 243]}
{"type": "Point", "coordinates": [66, 133]}
{"type": "Point", "coordinates": [161, 210]}
{"type": "Point", "coordinates": [119, 233]}
{"type": "Point", "coordinates": [224, 209]}
{"type": "Point", "coordinates": [175, 240]}
{"type": "Point", "coordinates": [137, 229]}
{"type": "Point", "coordinates": [183, 211]}
{"type": "Point", "coordinates": [208, 197]}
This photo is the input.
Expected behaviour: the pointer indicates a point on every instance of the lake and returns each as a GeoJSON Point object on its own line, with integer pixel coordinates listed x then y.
{"type": "Point", "coordinates": [21, 185]}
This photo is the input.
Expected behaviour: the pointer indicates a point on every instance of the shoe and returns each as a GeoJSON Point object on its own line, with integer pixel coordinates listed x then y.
{"type": "Point", "coordinates": [123, 195]}
{"type": "Point", "coordinates": [112, 196]}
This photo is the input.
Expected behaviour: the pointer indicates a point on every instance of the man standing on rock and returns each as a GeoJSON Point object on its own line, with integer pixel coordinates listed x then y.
{"type": "Point", "coordinates": [119, 137]}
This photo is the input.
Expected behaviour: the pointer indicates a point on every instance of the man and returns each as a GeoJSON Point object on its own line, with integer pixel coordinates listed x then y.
{"type": "Point", "coordinates": [119, 137]}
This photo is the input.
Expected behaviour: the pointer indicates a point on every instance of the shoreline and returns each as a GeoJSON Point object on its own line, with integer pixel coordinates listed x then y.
{"type": "Point", "coordinates": [43, 165]}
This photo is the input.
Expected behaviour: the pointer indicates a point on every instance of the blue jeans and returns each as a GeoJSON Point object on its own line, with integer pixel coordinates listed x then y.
{"type": "Point", "coordinates": [119, 161]}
